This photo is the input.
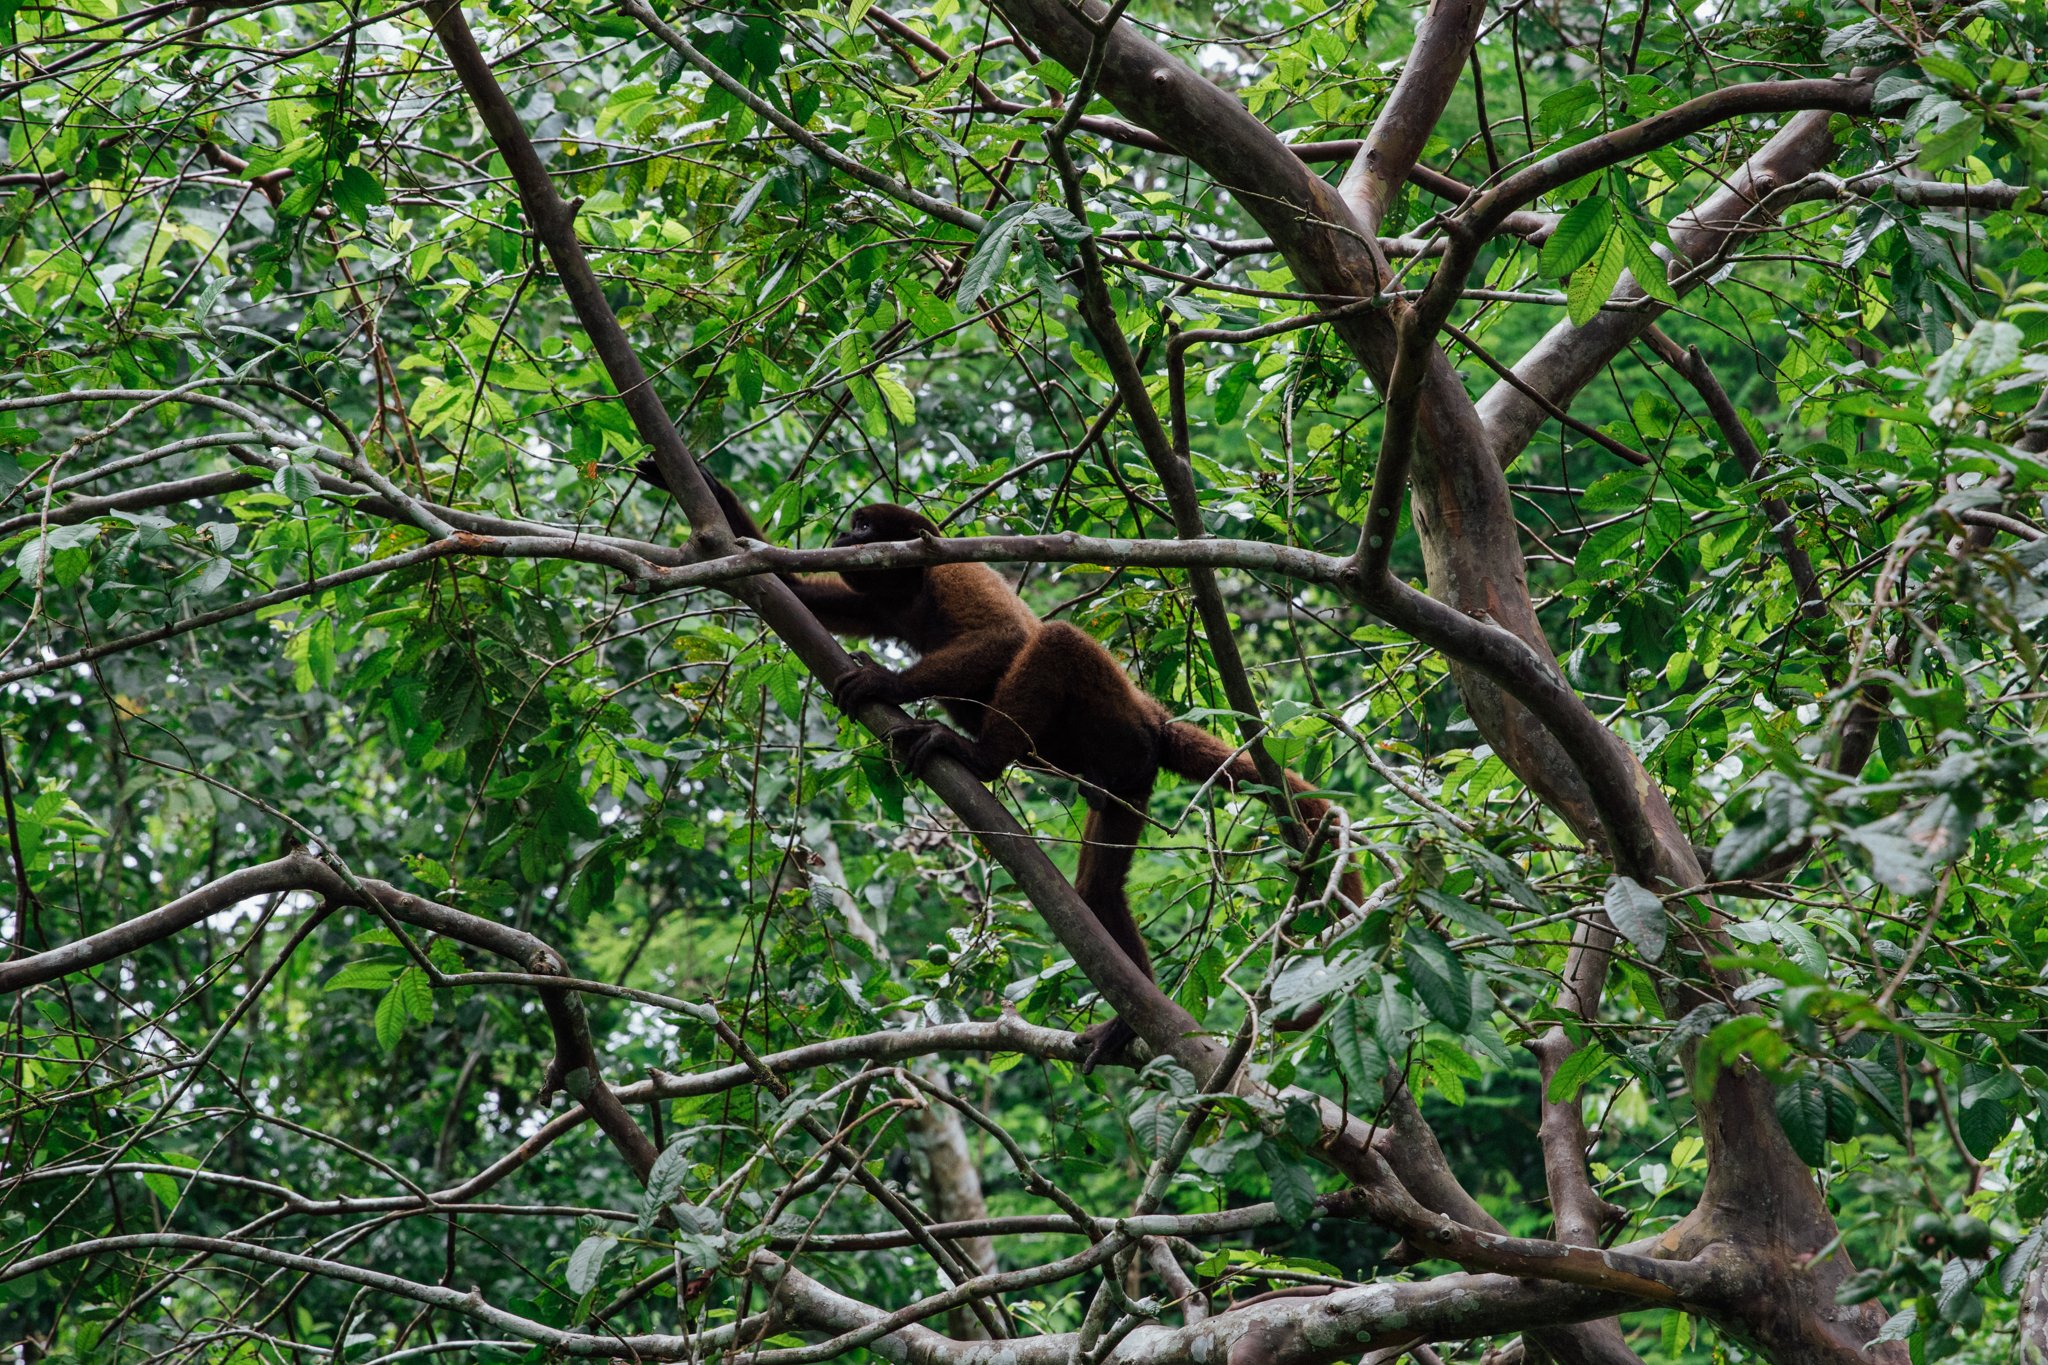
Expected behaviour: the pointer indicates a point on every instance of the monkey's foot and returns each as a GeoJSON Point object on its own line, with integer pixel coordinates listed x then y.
{"type": "Point", "coordinates": [1108, 1041]}
{"type": "Point", "coordinates": [917, 744]}
{"type": "Point", "coordinates": [866, 682]}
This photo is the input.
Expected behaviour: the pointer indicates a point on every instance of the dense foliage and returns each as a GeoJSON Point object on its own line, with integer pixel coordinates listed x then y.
{"type": "Point", "coordinates": [323, 549]}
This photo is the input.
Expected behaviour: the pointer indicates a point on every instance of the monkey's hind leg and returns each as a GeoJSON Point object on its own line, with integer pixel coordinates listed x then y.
{"type": "Point", "coordinates": [1109, 844]}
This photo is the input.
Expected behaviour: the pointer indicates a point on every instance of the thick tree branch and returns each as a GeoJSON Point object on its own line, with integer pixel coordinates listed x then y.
{"type": "Point", "coordinates": [2033, 1324]}
{"type": "Point", "coordinates": [1428, 79]}
{"type": "Point", "coordinates": [1485, 214]}
{"type": "Point", "coordinates": [289, 873]}
{"type": "Point", "coordinates": [1462, 511]}
{"type": "Point", "coordinates": [1578, 1214]}
{"type": "Point", "coordinates": [1286, 1331]}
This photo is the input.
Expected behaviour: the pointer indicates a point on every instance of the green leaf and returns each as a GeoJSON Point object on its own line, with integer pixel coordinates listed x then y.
{"type": "Point", "coordinates": [42, 548]}
{"type": "Point", "coordinates": [299, 482]}
{"type": "Point", "coordinates": [163, 1187]}
{"type": "Point", "coordinates": [928, 313]}
{"type": "Point", "coordinates": [1294, 1185]}
{"type": "Point", "coordinates": [417, 993]}
{"type": "Point", "coordinates": [1900, 1326]}
{"type": "Point", "coordinates": [896, 396]}
{"type": "Point", "coordinates": [1638, 915]}
{"type": "Point", "coordinates": [1895, 861]}
{"type": "Point", "coordinates": [1877, 1077]}
{"type": "Point", "coordinates": [303, 199]}
{"type": "Point", "coordinates": [885, 784]}
{"type": "Point", "coordinates": [1577, 236]}
{"type": "Point", "coordinates": [1307, 979]}
{"type": "Point", "coordinates": [1802, 947]}
{"type": "Point", "coordinates": [743, 208]}
{"type": "Point", "coordinates": [1230, 391]}
{"type": "Point", "coordinates": [1502, 873]}
{"type": "Point", "coordinates": [1896, 87]}
{"type": "Point", "coordinates": [2012, 1272]}
{"type": "Point", "coordinates": [33, 561]}
{"type": "Point", "coordinates": [1958, 1285]}
{"type": "Point", "coordinates": [1802, 1105]}
{"type": "Point", "coordinates": [1463, 913]}
{"type": "Point", "coordinates": [1984, 1126]}
{"type": "Point", "coordinates": [784, 679]}
{"type": "Point", "coordinates": [1356, 1048]}
{"type": "Point", "coordinates": [1953, 143]}
{"type": "Point", "coordinates": [991, 253]}
{"type": "Point", "coordinates": [355, 192]}
{"type": "Point", "coordinates": [362, 976]}
{"type": "Point", "coordinates": [1153, 1124]}
{"type": "Point", "coordinates": [1568, 108]}
{"type": "Point", "coordinates": [586, 1262]}
{"type": "Point", "coordinates": [1948, 69]}
{"type": "Point", "coordinates": [747, 379]}
{"type": "Point", "coordinates": [1438, 979]}
{"type": "Point", "coordinates": [1592, 285]}
{"type": "Point", "coordinates": [1578, 1069]}
{"type": "Point", "coordinates": [1651, 274]}
{"type": "Point", "coordinates": [1781, 811]}
{"type": "Point", "coordinates": [390, 1020]}
{"type": "Point", "coordinates": [1728, 1040]}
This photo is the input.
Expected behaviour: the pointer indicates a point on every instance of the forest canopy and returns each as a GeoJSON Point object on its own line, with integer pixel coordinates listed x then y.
{"type": "Point", "coordinates": [1599, 447]}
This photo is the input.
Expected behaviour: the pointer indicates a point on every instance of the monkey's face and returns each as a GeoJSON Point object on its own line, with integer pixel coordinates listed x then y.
{"type": "Point", "coordinates": [881, 522]}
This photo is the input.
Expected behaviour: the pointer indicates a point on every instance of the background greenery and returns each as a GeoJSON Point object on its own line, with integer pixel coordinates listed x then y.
{"type": "Point", "coordinates": [290, 206]}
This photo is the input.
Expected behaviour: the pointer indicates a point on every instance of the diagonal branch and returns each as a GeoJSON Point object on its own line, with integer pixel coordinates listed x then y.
{"type": "Point", "coordinates": [1139, 1001]}
{"type": "Point", "coordinates": [575, 1064]}
{"type": "Point", "coordinates": [1693, 367]}
{"type": "Point", "coordinates": [1136, 999]}
{"type": "Point", "coordinates": [1661, 129]}
{"type": "Point", "coordinates": [1570, 355]}
{"type": "Point", "coordinates": [1168, 458]}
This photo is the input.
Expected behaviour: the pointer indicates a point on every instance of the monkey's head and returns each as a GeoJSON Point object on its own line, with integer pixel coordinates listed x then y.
{"type": "Point", "coordinates": [882, 522]}
{"type": "Point", "coordinates": [878, 524]}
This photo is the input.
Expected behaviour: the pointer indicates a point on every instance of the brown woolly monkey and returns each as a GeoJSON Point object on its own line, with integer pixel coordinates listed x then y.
{"type": "Point", "coordinates": [1022, 690]}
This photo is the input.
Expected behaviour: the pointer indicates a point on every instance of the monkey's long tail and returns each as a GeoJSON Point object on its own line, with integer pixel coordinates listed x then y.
{"type": "Point", "coordinates": [1196, 754]}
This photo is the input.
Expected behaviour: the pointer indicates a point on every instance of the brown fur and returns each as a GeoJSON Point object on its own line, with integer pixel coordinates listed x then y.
{"type": "Point", "coordinates": [1023, 690]}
